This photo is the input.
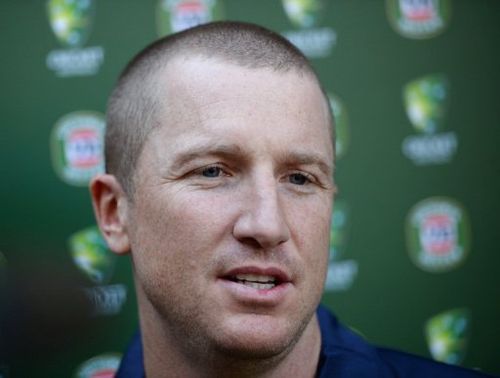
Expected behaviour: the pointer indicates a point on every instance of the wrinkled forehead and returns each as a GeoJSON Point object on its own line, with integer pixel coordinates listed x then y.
{"type": "Point", "coordinates": [189, 84]}
{"type": "Point", "coordinates": [260, 110]}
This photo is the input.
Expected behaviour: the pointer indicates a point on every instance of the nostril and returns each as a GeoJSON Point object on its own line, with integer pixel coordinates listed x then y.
{"type": "Point", "coordinates": [251, 242]}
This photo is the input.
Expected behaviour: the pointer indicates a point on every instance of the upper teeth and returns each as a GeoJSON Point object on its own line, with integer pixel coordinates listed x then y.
{"type": "Point", "coordinates": [256, 278]}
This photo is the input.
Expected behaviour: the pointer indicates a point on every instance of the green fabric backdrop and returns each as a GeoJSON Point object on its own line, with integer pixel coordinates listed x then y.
{"type": "Point", "coordinates": [414, 86]}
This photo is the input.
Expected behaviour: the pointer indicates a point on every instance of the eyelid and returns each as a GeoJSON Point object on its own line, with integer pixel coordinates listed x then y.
{"type": "Point", "coordinates": [221, 166]}
{"type": "Point", "coordinates": [311, 179]}
{"type": "Point", "coordinates": [307, 175]}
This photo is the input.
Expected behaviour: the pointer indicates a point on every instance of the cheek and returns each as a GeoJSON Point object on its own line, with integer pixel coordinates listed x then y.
{"type": "Point", "coordinates": [172, 227]}
{"type": "Point", "coordinates": [310, 216]}
{"type": "Point", "coordinates": [174, 244]}
{"type": "Point", "coordinates": [311, 233]}
{"type": "Point", "coordinates": [166, 247]}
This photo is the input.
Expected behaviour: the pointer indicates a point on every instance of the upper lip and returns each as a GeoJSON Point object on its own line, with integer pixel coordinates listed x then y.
{"type": "Point", "coordinates": [278, 274]}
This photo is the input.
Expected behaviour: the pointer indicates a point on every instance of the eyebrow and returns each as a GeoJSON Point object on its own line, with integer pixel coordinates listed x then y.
{"type": "Point", "coordinates": [204, 149]}
{"type": "Point", "coordinates": [235, 151]}
{"type": "Point", "coordinates": [308, 158]}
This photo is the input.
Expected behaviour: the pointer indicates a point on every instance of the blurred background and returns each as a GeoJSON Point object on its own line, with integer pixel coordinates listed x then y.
{"type": "Point", "coordinates": [414, 254]}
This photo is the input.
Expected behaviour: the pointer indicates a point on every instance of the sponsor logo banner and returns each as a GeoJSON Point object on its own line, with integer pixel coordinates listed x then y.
{"type": "Point", "coordinates": [102, 366]}
{"type": "Point", "coordinates": [313, 40]}
{"type": "Point", "coordinates": [107, 300]}
{"type": "Point", "coordinates": [91, 255]}
{"type": "Point", "coordinates": [77, 143]}
{"type": "Point", "coordinates": [438, 234]}
{"type": "Point", "coordinates": [71, 22]}
{"type": "Point", "coordinates": [341, 272]}
{"type": "Point", "coordinates": [447, 335]}
{"type": "Point", "coordinates": [339, 229]}
{"type": "Point", "coordinates": [303, 13]}
{"type": "Point", "coordinates": [418, 19]}
{"type": "Point", "coordinates": [426, 103]}
{"type": "Point", "coordinates": [75, 62]}
{"type": "Point", "coordinates": [341, 125]}
{"type": "Point", "coordinates": [176, 15]}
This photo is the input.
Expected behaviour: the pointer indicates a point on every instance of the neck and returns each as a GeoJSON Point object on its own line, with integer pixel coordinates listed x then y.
{"type": "Point", "coordinates": [164, 355]}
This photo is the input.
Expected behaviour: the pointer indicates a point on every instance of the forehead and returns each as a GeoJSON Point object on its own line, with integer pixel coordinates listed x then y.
{"type": "Point", "coordinates": [207, 98]}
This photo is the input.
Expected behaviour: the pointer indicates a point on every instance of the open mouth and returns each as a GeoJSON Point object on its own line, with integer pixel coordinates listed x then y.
{"type": "Point", "coordinates": [259, 282]}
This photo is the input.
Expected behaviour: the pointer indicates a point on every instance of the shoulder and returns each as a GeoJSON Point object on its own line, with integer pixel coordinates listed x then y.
{"type": "Point", "coordinates": [346, 354]}
{"type": "Point", "coordinates": [408, 365]}
{"type": "Point", "coordinates": [131, 365]}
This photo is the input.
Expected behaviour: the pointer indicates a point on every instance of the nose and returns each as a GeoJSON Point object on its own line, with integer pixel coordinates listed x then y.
{"type": "Point", "coordinates": [262, 223]}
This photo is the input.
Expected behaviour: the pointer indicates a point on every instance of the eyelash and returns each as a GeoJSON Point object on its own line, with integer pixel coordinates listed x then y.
{"type": "Point", "coordinates": [201, 170]}
{"type": "Point", "coordinates": [309, 179]}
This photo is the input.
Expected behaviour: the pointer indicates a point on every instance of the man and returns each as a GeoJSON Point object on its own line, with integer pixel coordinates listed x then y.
{"type": "Point", "coordinates": [219, 184]}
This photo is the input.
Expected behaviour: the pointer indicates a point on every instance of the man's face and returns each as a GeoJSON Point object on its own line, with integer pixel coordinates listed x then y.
{"type": "Point", "coordinates": [229, 224]}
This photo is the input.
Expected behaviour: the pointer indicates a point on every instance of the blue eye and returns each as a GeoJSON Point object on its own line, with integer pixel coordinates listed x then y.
{"type": "Point", "coordinates": [211, 172]}
{"type": "Point", "coordinates": [298, 179]}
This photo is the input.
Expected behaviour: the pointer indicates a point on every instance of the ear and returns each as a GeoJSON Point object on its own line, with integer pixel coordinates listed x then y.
{"type": "Point", "coordinates": [111, 211]}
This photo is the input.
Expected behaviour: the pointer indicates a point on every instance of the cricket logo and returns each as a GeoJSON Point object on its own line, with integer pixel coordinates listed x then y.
{"type": "Point", "coordinates": [103, 366]}
{"type": "Point", "coordinates": [77, 147]}
{"type": "Point", "coordinates": [446, 335]}
{"type": "Point", "coordinates": [71, 20]}
{"type": "Point", "coordinates": [418, 19]}
{"type": "Point", "coordinates": [303, 13]}
{"type": "Point", "coordinates": [426, 102]}
{"type": "Point", "coordinates": [91, 255]}
{"type": "Point", "coordinates": [312, 38]}
{"type": "Point", "coordinates": [341, 121]}
{"type": "Point", "coordinates": [341, 272]}
{"type": "Point", "coordinates": [437, 234]}
{"type": "Point", "coordinates": [176, 15]}
{"type": "Point", "coordinates": [338, 230]}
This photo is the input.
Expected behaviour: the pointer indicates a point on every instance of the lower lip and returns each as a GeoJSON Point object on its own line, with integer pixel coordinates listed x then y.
{"type": "Point", "coordinates": [249, 295]}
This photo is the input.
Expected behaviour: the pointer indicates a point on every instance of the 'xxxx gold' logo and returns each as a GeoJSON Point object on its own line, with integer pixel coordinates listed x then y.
{"type": "Point", "coordinates": [176, 15]}
{"type": "Point", "coordinates": [418, 19]}
{"type": "Point", "coordinates": [438, 234]}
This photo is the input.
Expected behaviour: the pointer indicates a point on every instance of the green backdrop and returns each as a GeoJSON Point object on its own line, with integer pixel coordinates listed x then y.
{"type": "Point", "coordinates": [414, 87]}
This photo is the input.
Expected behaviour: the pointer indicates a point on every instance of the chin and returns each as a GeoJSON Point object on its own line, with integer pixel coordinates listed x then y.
{"type": "Point", "coordinates": [255, 349]}
{"type": "Point", "coordinates": [259, 339]}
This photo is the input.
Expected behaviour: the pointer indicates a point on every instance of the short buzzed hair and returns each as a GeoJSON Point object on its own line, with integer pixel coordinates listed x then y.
{"type": "Point", "coordinates": [133, 106]}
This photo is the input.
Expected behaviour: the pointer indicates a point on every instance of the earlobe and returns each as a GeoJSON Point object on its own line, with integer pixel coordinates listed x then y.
{"type": "Point", "coordinates": [110, 209]}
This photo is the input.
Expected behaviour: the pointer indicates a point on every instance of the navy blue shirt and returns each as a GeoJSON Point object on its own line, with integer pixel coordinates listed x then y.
{"type": "Point", "coordinates": [343, 355]}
